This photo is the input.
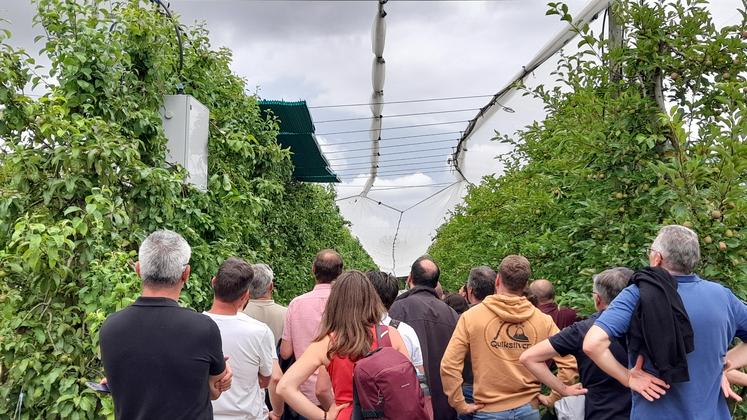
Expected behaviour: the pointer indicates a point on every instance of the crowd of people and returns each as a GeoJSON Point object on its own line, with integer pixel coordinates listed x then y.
{"type": "Point", "coordinates": [356, 346]}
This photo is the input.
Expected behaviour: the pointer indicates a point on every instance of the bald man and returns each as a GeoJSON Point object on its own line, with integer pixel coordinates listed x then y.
{"type": "Point", "coordinates": [544, 294]}
{"type": "Point", "coordinates": [433, 321]}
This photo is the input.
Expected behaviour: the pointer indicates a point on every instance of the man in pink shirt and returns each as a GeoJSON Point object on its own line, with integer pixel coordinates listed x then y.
{"type": "Point", "coordinates": [305, 313]}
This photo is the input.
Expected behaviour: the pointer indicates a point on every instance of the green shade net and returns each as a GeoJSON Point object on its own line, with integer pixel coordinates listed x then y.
{"type": "Point", "coordinates": [297, 133]}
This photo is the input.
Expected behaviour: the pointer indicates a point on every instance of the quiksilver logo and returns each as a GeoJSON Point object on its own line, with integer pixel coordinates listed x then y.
{"type": "Point", "coordinates": [515, 333]}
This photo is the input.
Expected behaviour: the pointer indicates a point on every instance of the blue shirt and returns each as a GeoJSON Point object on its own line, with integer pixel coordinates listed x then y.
{"type": "Point", "coordinates": [717, 316]}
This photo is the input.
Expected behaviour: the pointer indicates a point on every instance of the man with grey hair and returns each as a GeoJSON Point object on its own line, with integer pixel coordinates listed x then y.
{"type": "Point", "coordinates": [716, 316]}
{"type": "Point", "coordinates": [480, 284]}
{"type": "Point", "coordinates": [606, 398]}
{"type": "Point", "coordinates": [162, 360]}
{"type": "Point", "coordinates": [261, 306]}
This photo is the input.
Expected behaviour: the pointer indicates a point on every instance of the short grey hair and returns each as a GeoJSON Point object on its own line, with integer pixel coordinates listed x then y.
{"type": "Point", "coordinates": [163, 257]}
{"type": "Point", "coordinates": [260, 284]}
{"type": "Point", "coordinates": [679, 247]}
{"type": "Point", "coordinates": [609, 283]}
{"type": "Point", "coordinates": [482, 281]}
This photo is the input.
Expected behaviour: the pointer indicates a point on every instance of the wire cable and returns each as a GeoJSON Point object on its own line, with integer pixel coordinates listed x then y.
{"type": "Point", "coordinates": [395, 187]}
{"type": "Point", "coordinates": [394, 240]}
{"type": "Point", "coordinates": [390, 138]}
{"type": "Point", "coordinates": [430, 196]}
{"type": "Point", "coordinates": [391, 146]}
{"type": "Point", "coordinates": [407, 101]}
{"type": "Point", "coordinates": [392, 174]}
{"type": "Point", "coordinates": [180, 44]}
{"type": "Point", "coordinates": [429, 149]}
{"type": "Point", "coordinates": [411, 158]}
{"type": "Point", "coordinates": [428, 169]}
{"type": "Point", "coordinates": [414, 114]}
{"type": "Point", "coordinates": [395, 128]}
{"type": "Point", "coordinates": [369, 199]}
{"type": "Point", "coordinates": [408, 164]}
{"type": "Point", "coordinates": [349, 172]}
{"type": "Point", "coordinates": [380, 166]}
{"type": "Point", "coordinates": [432, 165]}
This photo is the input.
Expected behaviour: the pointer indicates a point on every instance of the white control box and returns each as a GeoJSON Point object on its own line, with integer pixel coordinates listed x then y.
{"type": "Point", "coordinates": [186, 125]}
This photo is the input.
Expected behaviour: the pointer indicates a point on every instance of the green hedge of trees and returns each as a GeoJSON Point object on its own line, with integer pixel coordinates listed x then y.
{"type": "Point", "coordinates": [84, 180]}
{"type": "Point", "coordinates": [588, 187]}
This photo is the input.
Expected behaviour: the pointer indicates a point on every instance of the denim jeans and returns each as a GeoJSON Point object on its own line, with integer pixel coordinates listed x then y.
{"type": "Point", "coordinates": [468, 398]}
{"type": "Point", "coordinates": [525, 412]}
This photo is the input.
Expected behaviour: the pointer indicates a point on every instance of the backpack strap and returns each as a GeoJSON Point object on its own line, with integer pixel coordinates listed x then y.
{"type": "Point", "coordinates": [393, 323]}
{"type": "Point", "coordinates": [382, 336]}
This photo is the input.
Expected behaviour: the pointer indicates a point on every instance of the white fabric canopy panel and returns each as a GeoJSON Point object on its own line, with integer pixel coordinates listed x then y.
{"type": "Point", "coordinates": [378, 75]}
{"type": "Point", "coordinates": [396, 236]}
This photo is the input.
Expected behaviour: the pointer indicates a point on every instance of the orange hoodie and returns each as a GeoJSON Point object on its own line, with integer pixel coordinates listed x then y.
{"type": "Point", "coordinates": [495, 333]}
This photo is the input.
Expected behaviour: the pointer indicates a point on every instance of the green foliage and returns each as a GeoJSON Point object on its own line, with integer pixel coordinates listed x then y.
{"type": "Point", "coordinates": [588, 188]}
{"type": "Point", "coordinates": [84, 180]}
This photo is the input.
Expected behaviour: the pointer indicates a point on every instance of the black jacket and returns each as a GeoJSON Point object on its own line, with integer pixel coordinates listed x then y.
{"type": "Point", "coordinates": [434, 322]}
{"type": "Point", "coordinates": [660, 328]}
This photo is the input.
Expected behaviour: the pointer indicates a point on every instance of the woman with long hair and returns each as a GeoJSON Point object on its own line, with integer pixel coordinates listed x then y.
{"type": "Point", "coordinates": [346, 335]}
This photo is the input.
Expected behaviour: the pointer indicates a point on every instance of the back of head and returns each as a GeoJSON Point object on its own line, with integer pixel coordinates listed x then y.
{"type": "Point", "coordinates": [327, 266]}
{"type": "Point", "coordinates": [482, 282]}
{"type": "Point", "coordinates": [515, 272]}
{"type": "Point", "coordinates": [262, 280]}
{"type": "Point", "coordinates": [439, 290]}
{"type": "Point", "coordinates": [457, 302]}
{"type": "Point", "coordinates": [386, 285]}
{"type": "Point", "coordinates": [232, 280]}
{"type": "Point", "coordinates": [352, 309]}
{"type": "Point", "coordinates": [425, 272]}
{"type": "Point", "coordinates": [609, 283]}
{"type": "Point", "coordinates": [542, 290]}
{"type": "Point", "coordinates": [163, 256]}
{"type": "Point", "coordinates": [679, 248]}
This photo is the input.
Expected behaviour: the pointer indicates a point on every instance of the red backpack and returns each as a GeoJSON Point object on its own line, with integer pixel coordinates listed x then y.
{"type": "Point", "coordinates": [385, 384]}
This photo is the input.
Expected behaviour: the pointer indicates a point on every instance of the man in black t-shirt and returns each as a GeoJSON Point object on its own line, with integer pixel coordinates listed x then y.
{"type": "Point", "coordinates": [605, 398]}
{"type": "Point", "coordinates": [163, 361]}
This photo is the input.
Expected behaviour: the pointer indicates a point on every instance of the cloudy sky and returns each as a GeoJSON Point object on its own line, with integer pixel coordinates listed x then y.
{"type": "Point", "coordinates": [321, 52]}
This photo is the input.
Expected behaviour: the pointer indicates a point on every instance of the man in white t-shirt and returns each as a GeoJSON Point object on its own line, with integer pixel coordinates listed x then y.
{"type": "Point", "coordinates": [249, 344]}
{"type": "Point", "coordinates": [387, 287]}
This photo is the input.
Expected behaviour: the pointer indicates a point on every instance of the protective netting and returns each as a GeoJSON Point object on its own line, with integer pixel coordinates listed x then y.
{"type": "Point", "coordinates": [395, 235]}
{"type": "Point", "coordinates": [378, 74]}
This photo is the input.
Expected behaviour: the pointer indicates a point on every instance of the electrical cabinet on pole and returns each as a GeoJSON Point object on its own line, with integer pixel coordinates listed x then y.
{"type": "Point", "coordinates": [186, 125]}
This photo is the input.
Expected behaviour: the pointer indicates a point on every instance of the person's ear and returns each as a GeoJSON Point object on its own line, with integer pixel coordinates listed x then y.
{"type": "Point", "coordinates": [655, 258]}
{"type": "Point", "coordinates": [245, 296]}
{"type": "Point", "coordinates": [409, 281]}
{"type": "Point", "coordinates": [185, 273]}
{"type": "Point", "coordinates": [212, 281]}
{"type": "Point", "coordinates": [597, 301]}
{"type": "Point", "coordinates": [497, 281]}
{"type": "Point", "coordinates": [272, 286]}
{"type": "Point", "coordinates": [137, 268]}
